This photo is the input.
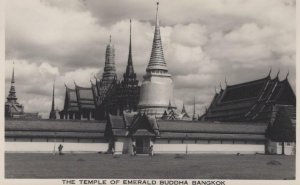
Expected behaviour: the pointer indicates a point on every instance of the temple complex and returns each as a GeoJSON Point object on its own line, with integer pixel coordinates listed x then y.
{"type": "Point", "coordinates": [248, 118]}
{"type": "Point", "coordinates": [107, 95]}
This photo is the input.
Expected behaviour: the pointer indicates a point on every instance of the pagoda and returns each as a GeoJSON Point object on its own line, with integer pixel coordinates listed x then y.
{"type": "Point", "coordinates": [157, 86]}
{"type": "Point", "coordinates": [12, 107]}
{"type": "Point", "coordinates": [125, 95]}
{"type": "Point", "coordinates": [109, 74]}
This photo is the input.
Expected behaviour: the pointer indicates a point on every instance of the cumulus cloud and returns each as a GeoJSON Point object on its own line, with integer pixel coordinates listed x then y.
{"type": "Point", "coordinates": [204, 42]}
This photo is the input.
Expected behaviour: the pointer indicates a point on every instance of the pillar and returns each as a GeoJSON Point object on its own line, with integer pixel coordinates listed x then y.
{"type": "Point", "coordinates": [89, 117]}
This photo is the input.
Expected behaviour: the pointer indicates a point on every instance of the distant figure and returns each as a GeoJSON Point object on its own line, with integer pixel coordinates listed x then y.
{"type": "Point", "coordinates": [113, 150]}
{"type": "Point", "coordinates": [151, 151]}
{"type": "Point", "coordinates": [60, 147]}
{"type": "Point", "coordinates": [133, 150]}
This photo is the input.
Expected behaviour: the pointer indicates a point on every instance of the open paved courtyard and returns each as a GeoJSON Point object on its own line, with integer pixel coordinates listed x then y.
{"type": "Point", "coordinates": [25, 165]}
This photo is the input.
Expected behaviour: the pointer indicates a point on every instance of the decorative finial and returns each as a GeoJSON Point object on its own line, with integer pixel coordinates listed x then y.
{"type": "Point", "coordinates": [95, 78]}
{"type": "Point", "coordinates": [130, 27]}
{"type": "Point", "coordinates": [278, 73]}
{"type": "Point", "coordinates": [109, 38]}
{"type": "Point", "coordinates": [225, 81]}
{"type": "Point", "coordinates": [270, 71]}
{"type": "Point", "coordinates": [13, 73]}
{"type": "Point", "coordinates": [130, 35]}
{"type": "Point", "coordinates": [157, 3]}
{"type": "Point", "coordinates": [287, 74]}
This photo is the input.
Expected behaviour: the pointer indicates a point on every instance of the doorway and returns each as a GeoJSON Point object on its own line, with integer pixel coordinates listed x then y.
{"type": "Point", "coordinates": [142, 145]}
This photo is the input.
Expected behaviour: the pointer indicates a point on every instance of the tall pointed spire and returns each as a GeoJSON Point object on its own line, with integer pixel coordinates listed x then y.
{"type": "Point", "coordinates": [12, 92]}
{"type": "Point", "coordinates": [13, 74]}
{"type": "Point", "coordinates": [170, 105]}
{"type": "Point", "coordinates": [183, 110]}
{"type": "Point", "coordinates": [52, 112]}
{"type": "Point", "coordinates": [194, 110]}
{"type": "Point", "coordinates": [129, 74]}
{"type": "Point", "coordinates": [12, 107]}
{"type": "Point", "coordinates": [53, 103]}
{"type": "Point", "coordinates": [157, 60]}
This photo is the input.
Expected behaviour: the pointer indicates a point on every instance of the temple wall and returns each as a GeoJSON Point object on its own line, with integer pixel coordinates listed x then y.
{"type": "Point", "coordinates": [48, 147]}
{"type": "Point", "coordinates": [123, 145]}
{"type": "Point", "coordinates": [209, 148]}
{"type": "Point", "coordinates": [276, 148]}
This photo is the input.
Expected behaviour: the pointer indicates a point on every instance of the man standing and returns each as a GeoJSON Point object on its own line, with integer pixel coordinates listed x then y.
{"type": "Point", "coordinates": [60, 147]}
{"type": "Point", "coordinates": [133, 150]}
{"type": "Point", "coordinates": [151, 151]}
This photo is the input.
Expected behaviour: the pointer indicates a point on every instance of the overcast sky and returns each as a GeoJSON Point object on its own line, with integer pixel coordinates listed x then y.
{"type": "Point", "coordinates": [204, 41]}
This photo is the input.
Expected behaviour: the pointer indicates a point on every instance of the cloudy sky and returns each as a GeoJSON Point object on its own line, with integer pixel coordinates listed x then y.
{"type": "Point", "coordinates": [204, 41]}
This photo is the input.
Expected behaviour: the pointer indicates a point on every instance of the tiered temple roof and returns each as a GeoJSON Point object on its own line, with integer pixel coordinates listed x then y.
{"type": "Point", "coordinates": [85, 97]}
{"type": "Point", "coordinates": [250, 101]}
{"type": "Point", "coordinates": [71, 103]}
{"type": "Point", "coordinates": [144, 125]}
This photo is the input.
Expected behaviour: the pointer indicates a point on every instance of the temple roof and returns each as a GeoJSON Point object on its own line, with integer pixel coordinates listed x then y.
{"type": "Point", "coordinates": [250, 101]}
{"type": "Point", "coordinates": [54, 128]}
{"type": "Point", "coordinates": [157, 60]}
{"type": "Point", "coordinates": [85, 97]}
{"type": "Point", "coordinates": [211, 127]}
{"type": "Point", "coordinates": [71, 103]}
{"type": "Point", "coordinates": [143, 125]}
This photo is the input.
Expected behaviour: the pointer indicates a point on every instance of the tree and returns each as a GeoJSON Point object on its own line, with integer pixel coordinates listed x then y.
{"type": "Point", "coordinates": [281, 130]}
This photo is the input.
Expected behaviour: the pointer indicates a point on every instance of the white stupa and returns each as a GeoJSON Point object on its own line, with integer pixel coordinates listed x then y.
{"type": "Point", "coordinates": [157, 88]}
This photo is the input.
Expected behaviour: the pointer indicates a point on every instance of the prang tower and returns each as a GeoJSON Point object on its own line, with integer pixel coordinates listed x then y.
{"type": "Point", "coordinates": [157, 87]}
{"type": "Point", "coordinates": [109, 74]}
